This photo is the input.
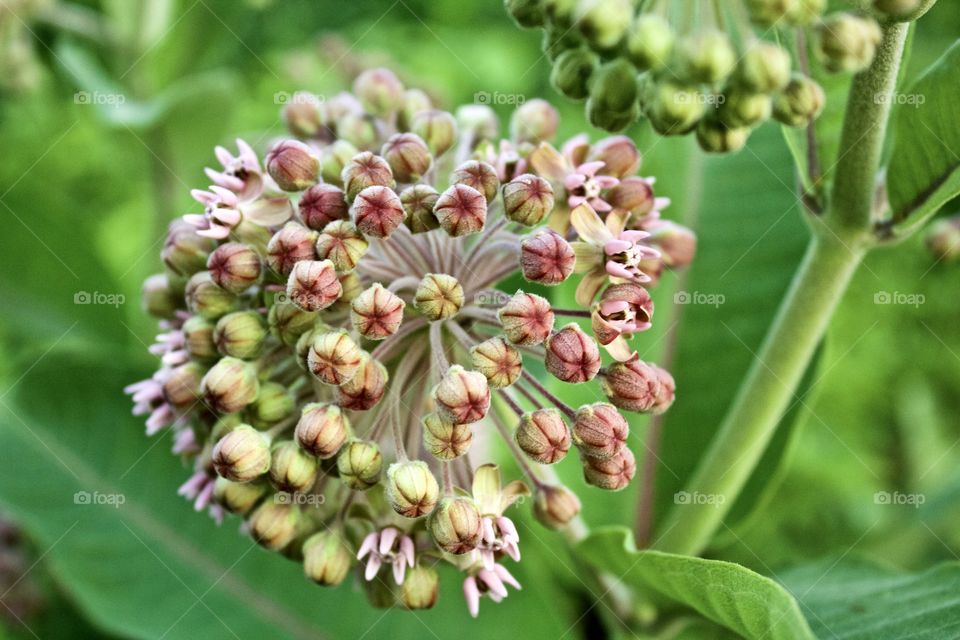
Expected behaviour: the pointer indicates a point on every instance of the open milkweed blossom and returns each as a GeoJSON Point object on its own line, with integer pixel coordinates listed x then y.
{"type": "Point", "coordinates": [334, 342]}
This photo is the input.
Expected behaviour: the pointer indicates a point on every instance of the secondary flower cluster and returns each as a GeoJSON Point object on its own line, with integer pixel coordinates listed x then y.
{"type": "Point", "coordinates": [721, 74]}
{"type": "Point", "coordinates": [333, 338]}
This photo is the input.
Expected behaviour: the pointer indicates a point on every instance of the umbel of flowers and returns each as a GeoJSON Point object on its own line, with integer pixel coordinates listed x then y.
{"type": "Point", "coordinates": [716, 69]}
{"type": "Point", "coordinates": [333, 342]}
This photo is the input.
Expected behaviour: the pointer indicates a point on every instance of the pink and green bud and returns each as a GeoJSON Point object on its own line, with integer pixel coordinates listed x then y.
{"type": "Point", "coordinates": [419, 201]}
{"type": "Point", "coordinates": [571, 355]}
{"type": "Point", "coordinates": [198, 338]}
{"type": "Point", "coordinates": [408, 156]}
{"type": "Point", "coordinates": [555, 506]}
{"type": "Point", "coordinates": [527, 319]}
{"type": "Point", "coordinates": [334, 357]}
{"type": "Point", "coordinates": [527, 199]}
{"type": "Point", "coordinates": [437, 128]}
{"type": "Point", "coordinates": [366, 170]}
{"type": "Point", "coordinates": [304, 115]}
{"type": "Point", "coordinates": [288, 322]}
{"type": "Point", "coordinates": [321, 204]}
{"type": "Point", "coordinates": [326, 558]}
{"type": "Point", "coordinates": [377, 211]}
{"type": "Point", "coordinates": [158, 298]}
{"type": "Point", "coordinates": [411, 488]}
{"type": "Point", "coordinates": [336, 157]}
{"type": "Point", "coordinates": [623, 309]}
{"type": "Point", "coordinates": [612, 474]}
{"type": "Point", "coordinates": [313, 285]}
{"type": "Point", "coordinates": [633, 385]}
{"type": "Point", "coordinates": [365, 389]}
{"type": "Point", "coordinates": [208, 299]}
{"type": "Point", "coordinates": [322, 429]}
{"type": "Point", "coordinates": [238, 497]}
{"type": "Point", "coordinates": [599, 430]}
{"type": "Point", "coordinates": [455, 525]}
{"type": "Point", "coordinates": [342, 244]}
{"type": "Point", "coordinates": [291, 468]}
{"type": "Point", "coordinates": [293, 165]}
{"type": "Point", "coordinates": [438, 297]}
{"type": "Point", "coordinates": [445, 440]}
{"type": "Point", "coordinates": [543, 436]}
{"type": "Point", "coordinates": [242, 455]}
{"type": "Point", "coordinates": [380, 91]}
{"type": "Point", "coordinates": [498, 361]}
{"type": "Point", "coordinates": [377, 312]}
{"type": "Point", "coordinates": [274, 403]}
{"type": "Point", "coordinates": [290, 245]}
{"type": "Point", "coordinates": [234, 267]}
{"type": "Point", "coordinates": [184, 252]}
{"type": "Point", "coordinates": [534, 121]}
{"type": "Point", "coordinates": [546, 258]}
{"type": "Point", "coordinates": [230, 385]}
{"type": "Point", "coordinates": [240, 334]}
{"type": "Point", "coordinates": [633, 194]}
{"type": "Point", "coordinates": [619, 155]}
{"type": "Point", "coordinates": [462, 396]}
{"type": "Point", "coordinates": [274, 525]}
{"type": "Point", "coordinates": [182, 388]}
{"type": "Point", "coordinates": [359, 464]}
{"type": "Point", "coordinates": [461, 210]}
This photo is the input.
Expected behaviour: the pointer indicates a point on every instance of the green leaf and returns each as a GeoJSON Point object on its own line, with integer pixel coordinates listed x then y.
{"type": "Point", "coordinates": [858, 600]}
{"type": "Point", "coordinates": [728, 594]}
{"type": "Point", "coordinates": [924, 172]}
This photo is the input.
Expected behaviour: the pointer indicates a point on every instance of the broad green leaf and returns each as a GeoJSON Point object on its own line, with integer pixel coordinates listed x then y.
{"type": "Point", "coordinates": [924, 172]}
{"type": "Point", "coordinates": [857, 600]}
{"type": "Point", "coordinates": [728, 594]}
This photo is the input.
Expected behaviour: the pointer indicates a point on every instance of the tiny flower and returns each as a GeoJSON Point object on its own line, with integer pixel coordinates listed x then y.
{"type": "Point", "coordinates": [220, 212]}
{"type": "Point", "coordinates": [534, 121]}
{"type": "Point", "coordinates": [543, 436]}
{"type": "Point", "coordinates": [326, 558]}
{"type": "Point", "coordinates": [438, 297]}
{"type": "Point", "coordinates": [462, 396]}
{"type": "Point", "coordinates": [546, 258]}
{"type": "Point", "coordinates": [377, 312]}
{"type": "Point", "coordinates": [377, 211]}
{"type": "Point", "coordinates": [366, 170]}
{"type": "Point", "coordinates": [411, 488]}
{"type": "Point", "coordinates": [238, 497]}
{"type": "Point", "coordinates": [527, 199]}
{"type": "Point", "coordinates": [387, 547]}
{"type": "Point", "coordinates": [242, 455]}
{"type": "Point", "coordinates": [334, 357]}
{"type": "Point", "coordinates": [321, 204]}
{"type": "Point", "coordinates": [498, 533]}
{"type": "Point", "coordinates": [478, 175]}
{"type": "Point", "coordinates": [230, 385]}
{"type": "Point", "coordinates": [420, 587]}
{"type": "Point", "coordinates": [274, 403]}
{"type": "Point", "coordinates": [632, 385]}
{"type": "Point", "coordinates": [455, 525]}
{"type": "Point", "coordinates": [623, 309]}
{"type": "Point", "coordinates": [342, 244]}
{"type": "Point", "coordinates": [582, 181]}
{"type": "Point", "coordinates": [206, 298]}
{"type": "Point", "coordinates": [408, 156]}
{"type": "Point", "coordinates": [491, 582]}
{"type": "Point", "coordinates": [359, 464]}
{"type": "Point", "coordinates": [234, 266]}
{"type": "Point", "coordinates": [313, 285]}
{"type": "Point", "coordinates": [380, 91]}
{"type": "Point", "coordinates": [240, 174]}
{"type": "Point", "coordinates": [527, 319]}
{"type": "Point", "coordinates": [461, 210]}
{"type": "Point", "coordinates": [290, 245]}
{"type": "Point", "coordinates": [240, 334]}
{"type": "Point", "coordinates": [555, 506]}
{"type": "Point", "coordinates": [445, 440]}
{"type": "Point", "coordinates": [293, 165]}
{"type": "Point", "coordinates": [322, 429]}
{"type": "Point", "coordinates": [274, 525]}
{"type": "Point", "coordinates": [599, 430]}
{"type": "Point", "coordinates": [437, 128]}
{"type": "Point", "coordinates": [572, 355]}
{"type": "Point", "coordinates": [667, 391]}
{"type": "Point", "coordinates": [366, 388]}
{"type": "Point", "coordinates": [498, 361]}
{"type": "Point", "coordinates": [184, 252]}
{"type": "Point", "coordinates": [291, 468]}
{"type": "Point", "coordinates": [419, 201]}
{"type": "Point", "coordinates": [612, 474]}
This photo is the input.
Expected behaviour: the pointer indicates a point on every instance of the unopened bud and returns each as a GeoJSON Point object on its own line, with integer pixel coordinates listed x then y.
{"type": "Point", "coordinates": [667, 391]}
{"type": "Point", "coordinates": [274, 403]}
{"type": "Point", "coordinates": [359, 464]}
{"type": "Point", "coordinates": [342, 244]}
{"type": "Point", "coordinates": [614, 87]}
{"type": "Point", "coordinates": [304, 115]}
{"type": "Point", "coordinates": [604, 22]}
{"type": "Point", "coordinates": [438, 297]}
{"type": "Point", "coordinates": [198, 338]}
{"type": "Point", "coordinates": [367, 386]}
{"type": "Point", "coordinates": [599, 430]}
{"type": "Point", "coordinates": [543, 436]}
{"type": "Point", "coordinates": [377, 312]}
{"type": "Point", "coordinates": [408, 156]}
{"type": "Point", "coordinates": [848, 43]}
{"type": "Point", "coordinates": [528, 14]}
{"type": "Point", "coordinates": [572, 71]}
{"type": "Point", "coordinates": [238, 497]}
{"type": "Point", "coordinates": [765, 68]}
{"type": "Point", "coordinates": [419, 201]}
{"type": "Point", "coordinates": [334, 357]}
{"type": "Point", "coordinates": [770, 12]}
{"type": "Point", "coordinates": [366, 170]}
{"type": "Point", "coordinates": [322, 429]}
{"type": "Point", "coordinates": [420, 587]}
{"type": "Point", "coordinates": [462, 396]}
{"type": "Point", "coordinates": [352, 286]}
{"type": "Point", "coordinates": [498, 361]}
{"type": "Point", "coordinates": [321, 204]}
{"type": "Point", "coordinates": [800, 102]}
{"type": "Point", "coordinates": [632, 385]}
{"type": "Point", "coordinates": [158, 298]}
{"type": "Point", "coordinates": [534, 121]}
{"type": "Point", "coordinates": [184, 252]}
{"type": "Point", "coordinates": [455, 525]}
{"type": "Point", "coordinates": [478, 175]}
{"type": "Point", "coordinates": [555, 506]}
{"type": "Point", "coordinates": [527, 199]}
{"type": "Point", "coordinates": [619, 155]}
{"type": "Point", "coordinates": [899, 10]}
{"type": "Point", "coordinates": [805, 12]}
{"type": "Point", "coordinates": [437, 128]}
{"type": "Point", "coordinates": [714, 136]}
{"type": "Point", "coordinates": [359, 129]}
{"type": "Point", "coordinates": [461, 210]}
{"type": "Point", "coordinates": [336, 157]}
{"type": "Point", "coordinates": [612, 474]}
{"type": "Point", "coordinates": [242, 455]}
{"type": "Point", "coordinates": [572, 355]}
{"type": "Point", "coordinates": [414, 101]}
{"type": "Point", "coordinates": [674, 109]}
{"type": "Point", "coordinates": [546, 258]}
{"type": "Point", "coordinates": [943, 239]}
{"type": "Point", "coordinates": [706, 57]}
{"type": "Point", "coordinates": [234, 266]}
{"type": "Point", "coordinates": [445, 440]}
{"type": "Point", "coordinates": [288, 322]}
{"type": "Point", "coordinates": [377, 211]}
{"type": "Point", "coordinates": [326, 558]}
{"type": "Point", "coordinates": [274, 525]}
{"type": "Point", "coordinates": [230, 385]}
{"type": "Point", "coordinates": [633, 194]}
{"type": "Point", "coordinates": [742, 110]}
{"type": "Point", "coordinates": [182, 388]}
{"type": "Point", "coordinates": [527, 319]}
{"type": "Point", "coordinates": [291, 468]}
{"type": "Point", "coordinates": [293, 165]}
{"type": "Point", "coordinates": [650, 41]}
{"type": "Point", "coordinates": [677, 244]}
{"type": "Point", "coordinates": [602, 117]}
{"type": "Point", "coordinates": [380, 91]}
{"type": "Point", "coordinates": [206, 298]}
{"type": "Point", "coordinates": [290, 245]}
{"type": "Point", "coordinates": [240, 334]}
{"type": "Point", "coordinates": [411, 488]}
{"type": "Point", "coordinates": [478, 121]}
{"type": "Point", "coordinates": [313, 285]}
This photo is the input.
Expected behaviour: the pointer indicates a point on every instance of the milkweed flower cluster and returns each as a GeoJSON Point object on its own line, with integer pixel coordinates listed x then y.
{"type": "Point", "coordinates": [719, 71]}
{"type": "Point", "coordinates": [333, 338]}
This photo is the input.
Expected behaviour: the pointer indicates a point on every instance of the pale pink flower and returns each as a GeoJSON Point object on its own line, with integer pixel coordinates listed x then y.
{"type": "Point", "coordinates": [491, 582]}
{"type": "Point", "coordinates": [387, 547]}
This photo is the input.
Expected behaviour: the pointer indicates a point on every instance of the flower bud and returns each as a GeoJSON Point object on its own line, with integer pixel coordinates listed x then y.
{"type": "Point", "coordinates": [377, 312]}
{"type": "Point", "coordinates": [304, 115]}
{"type": "Point", "coordinates": [437, 128]}
{"type": "Point", "coordinates": [478, 175]}
{"type": "Point", "coordinates": [900, 10]}
{"type": "Point", "coordinates": [572, 71]}
{"type": "Point", "coordinates": [240, 334]}
{"type": "Point", "coordinates": [230, 385]}
{"type": "Point", "coordinates": [377, 211]}
{"type": "Point", "coordinates": [478, 122]}
{"type": "Point", "coordinates": [414, 101]}
{"type": "Point", "coordinates": [234, 267]}
{"type": "Point", "coordinates": [800, 102]}
{"type": "Point", "coordinates": [602, 117]}
{"type": "Point", "coordinates": [741, 110]}
{"type": "Point", "coordinates": [334, 357]}
{"type": "Point", "coordinates": [714, 136]}
{"type": "Point", "coordinates": [462, 396]}
{"type": "Point", "coordinates": [367, 386]}
{"type": "Point", "coordinates": [560, 13]}
{"type": "Point", "coordinates": [706, 57]}
{"type": "Point", "coordinates": [206, 298]}
{"type": "Point", "coordinates": [182, 388]}
{"type": "Point", "coordinates": [943, 239]}
{"type": "Point", "coordinates": [313, 285]}
{"type": "Point", "coordinates": [633, 194]}
{"type": "Point", "coordinates": [572, 355]}
{"type": "Point", "coordinates": [534, 121]}
{"type": "Point", "coordinates": [650, 41]}
{"type": "Point", "coordinates": [274, 403]}
{"type": "Point", "coordinates": [667, 391]}
{"type": "Point", "coordinates": [322, 429]}
{"type": "Point", "coordinates": [326, 558]}
{"type": "Point", "coordinates": [527, 14]}
{"type": "Point", "coordinates": [336, 157]}
{"type": "Point", "coordinates": [527, 199]}
{"type": "Point", "coordinates": [619, 155]}
{"type": "Point", "coordinates": [290, 245]}
{"type": "Point", "coordinates": [677, 244]}
{"type": "Point", "coordinates": [499, 362]}
{"type": "Point", "coordinates": [632, 385]}
{"type": "Point", "coordinates": [599, 430]}
{"type": "Point", "coordinates": [604, 22]}
{"type": "Point", "coordinates": [407, 155]}
{"type": "Point", "coordinates": [555, 506]}
{"type": "Point", "coordinates": [366, 170]}
{"type": "Point", "coordinates": [847, 43]}
{"type": "Point", "coordinates": [420, 587]}
{"type": "Point", "coordinates": [546, 258]}
{"type": "Point", "coordinates": [291, 468]}
{"type": "Point", "coordinates": [321, 204]}
{"type": "Point", "coordinates": [380, 91]}
{"type": "Point", "coordinates": [274, 525]}
{"type": "Point", "coordinates": [352, 286]}
{"type": "Point", "coordinates": [438, 296]}
{"type": "Point", "coordinates": [292, 165]}
{"type": "Point", "coordinates": [805, 12]}
{"type": "Point", "coordinates": [674, 109]}
{"type": "Point", "coordinates": [612, 474]}
{"type": "Point", "coordinates": [769, 12]}
{"type": "Point", "coordinates": [461, 210]}
{"type": "Point", "coordinates": [543, 436]}
{"type": "Point", "coordinates": [764, 68]}
{"type": "Point", "coordinates": [411, 488]}
{"type": "Point", "coordinates": [342, 244]}
{"type": "Point", "coordinates": [242, 455]}
{"type": "Point", "coordinates": [359, 463]}
{"type": "Point", "coordinates": [455, 525]}
{"type": "Point", "coordinates": [198, 338]}
{"type": "Point", "coordinates": [237, 497]}
{"type": "Point", "coordinates": [614, 87]}
{"type": "Point", "coordinates": [527, 319]}
{"type": "Point", "coordinates": [419, 201]}
{"type": "Point", "coordinates": [158, 298]}
{"type": "Point", "coordinates": [445, 440]}
{"type": "Point", "coordinates": [184, 252]}
{"type": "Point", "coordinates": [288, 321]}
{"type": "Point", "coordinates": [359, 129]}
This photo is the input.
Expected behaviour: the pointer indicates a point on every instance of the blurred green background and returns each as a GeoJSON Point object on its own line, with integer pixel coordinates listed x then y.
{"type": "Point", "coordinates": [88, 185]}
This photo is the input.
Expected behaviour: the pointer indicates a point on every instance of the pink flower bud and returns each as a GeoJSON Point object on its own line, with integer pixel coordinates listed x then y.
{"type": "Point", "coordinates": [667, 391]}
{"type": "Point", "coordinates": [274, 525]}
{"type": "Point", "coordinates": [334, 357]}
{"type": "Point", "coordinates": [677, 244]}
{"type": "Point", "coordinates": [527, 319]}
{"type": "Point", "coordinates": [612, 474]}
{"type": "Point", "coordinates": [455, 525]}
{"type": "Point", "coordinates": [462, 396]}
{"type": "Point", "coordinates": [242, 455]}
{"type": "Point", "coordinates": [321, 204]}
{"type": "Point", "coordinates": [498, 361]}
{"type": "Point", "coordinates": [599, 430]}
{"type": "Point", "coordinates": [478, 175]}
{"type": "Point", "coordinates": [555, 506]}
{"type": "Point", "coordinates": [633, 385]}
{"type": "Point", "coordinates": [572, 355]}
{"type": "Point", "coordinates": [182, 388]}
{"type": "Point", "coordinates": [313, 285]}
{"type": "Point", "coordinates": [461, 210]}
{"type": "Point", "coordinates": [633, 194]}
{"type": "Point", "coordinates": [366, 170]}
{"type": "Point", "coordinates": [290, 245]}
{"type": "Point", "coordinates": [293, 165]}
{"type": "Point", "coordinates": [445, 440]}
{"type": "Point", "coordinates": [527, 199]}
{"type": "Point", "coordinates": [234, 266]}
{"type": "Point", "coordinates": [619, 155]}
{"type": "Point", "coordinates": [366, 388]}
{"type": "Point", "coordinates": [342, 244]}
{"type": "Point", "coordinates": [291, 468]}
{"type": "Point", "coordinates": [534, 121]}
{"type": "Point", "coordinates": [546, 258]}
{"type": "Point", "coordinates": [377, 312]}
{"type": "Point", "coordinates": [322, 429]}
{"type": "Point", "coordinates": [185, 252]}
{"type": "Point", "coordinates": [543, 436]}
{"type": "Point", "coordinates": [407, 155]}
{"type": "Point", "coordinates": [230, 385]}
{"type": "Point", "coordinates": [377, 211]}
{"type": "Point", "coordinates": [380, 91]}
{"type": "Point", "coordinates": [304, 115]}
{"type": "Point", "coordinates": [623, 309]}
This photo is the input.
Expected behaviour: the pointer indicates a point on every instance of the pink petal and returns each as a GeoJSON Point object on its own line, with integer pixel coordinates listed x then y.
{"type": "Point", "coordinates": [590, 168]}
{"type": "Point", "coordinates": [634, 236]}
{"type": "Point", "coordinates": [406, 549]}
{"type": "Point", "coordinates": [224, 156]}
{"type": "Point", "coordinates": [493, 582]}
{"type": "Point", "coordinates": [575, 201]}
{"type": "Point", "coordinates": [486, 557]}
{"type": "Point", "coordinates": [507, 577]}
{"type": "Point", "coordinates": [574, 181]}
{"type": "Point", "coordinates": [611, 307]}
{"type": "Point", "coordinates": [617, 270]}
{"type": "Point", "coordinates": [387, 538]}
{"type": "Point", "coordinates": [472, 594]}
{"type": "Point", "coordinates": [369, 544]}
{"type": "Point", "coordinates": [373, 565]}
{"type": "Point", "coordinates": [507, 528]}
{"type": "Point", "coordinates": [600, 205]}
{"type": "Point", "coordinates": [204, 498]}
{"type": "Point", "coordinates": [399, 569]}
{"type": "Point", "coordinates": [613, 247]}
{"type": "Point", "coordinates": [488, 535]}
{"type": "Point", "coordinates": [217, 232]}
{"type": "Point", "coordinates": [203, 197]}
